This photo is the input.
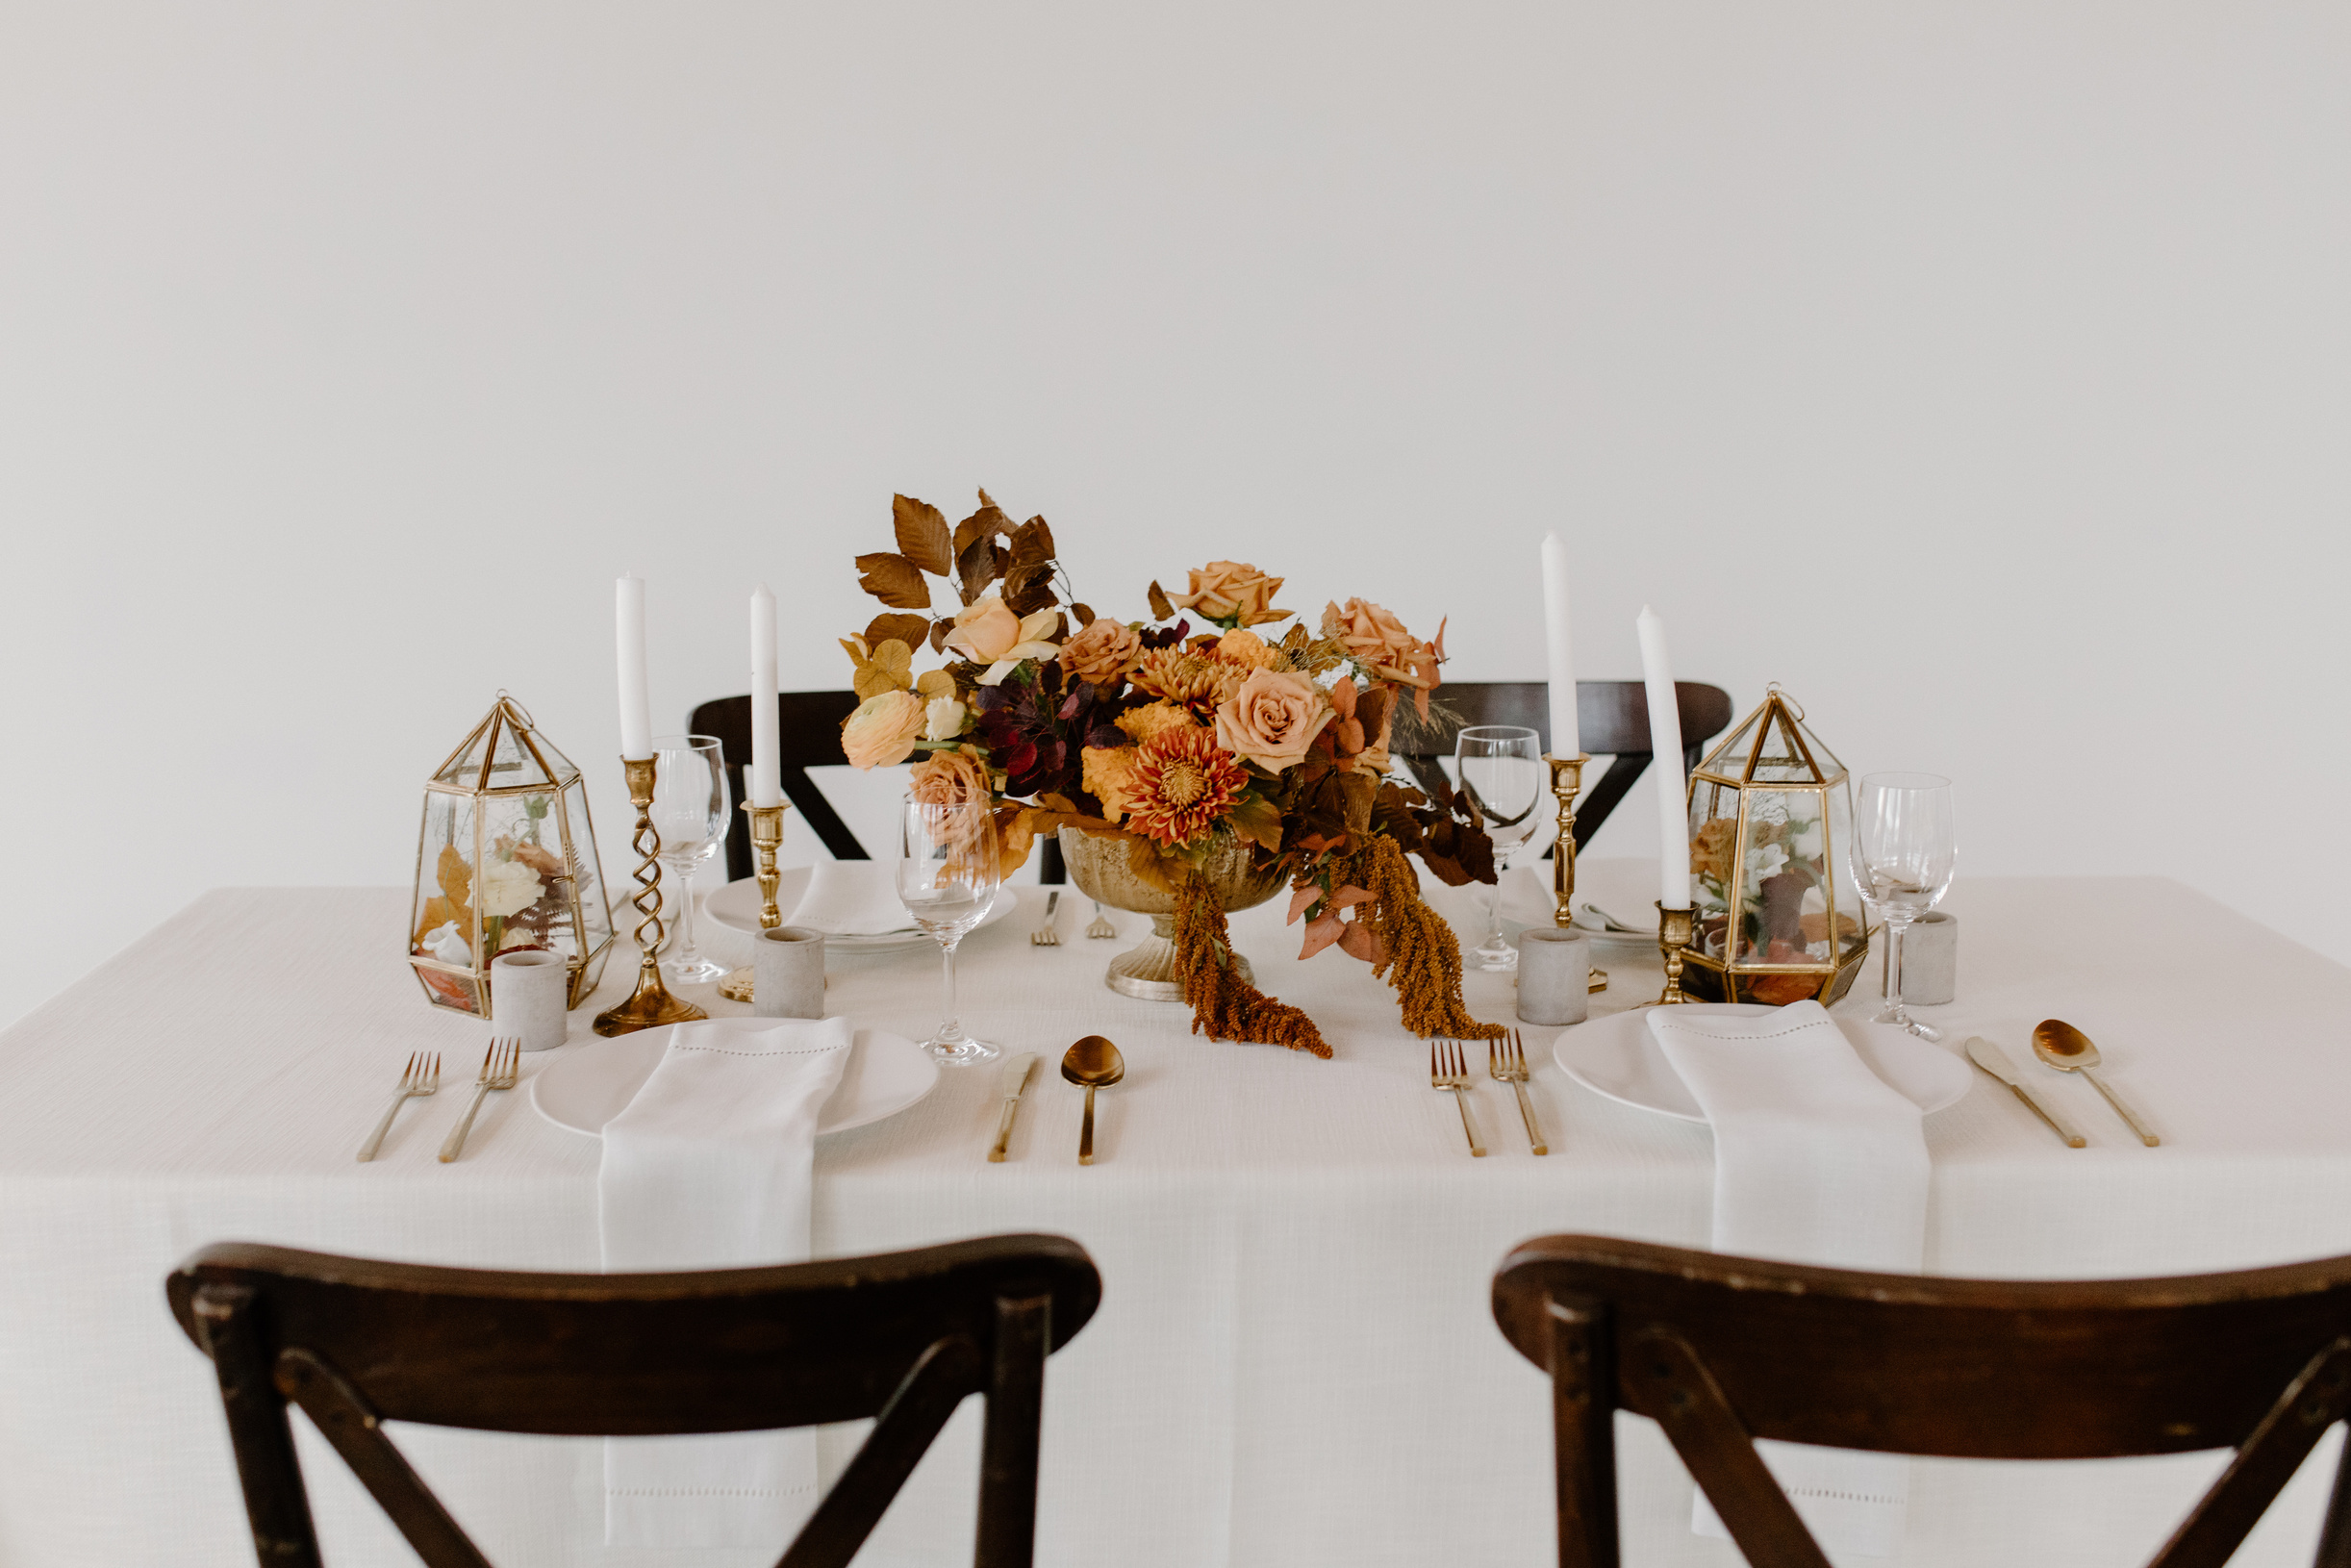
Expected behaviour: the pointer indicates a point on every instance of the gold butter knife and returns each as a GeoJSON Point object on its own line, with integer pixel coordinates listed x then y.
{"type": "Point", "coordinates": [1995, 1061]}
{"type": "Point", "coordinates": [1015, 1082]}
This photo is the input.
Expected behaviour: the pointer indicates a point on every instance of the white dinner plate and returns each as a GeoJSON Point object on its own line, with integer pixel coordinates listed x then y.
{"type": "Point", "coordinates": [1617, 1058]}
{"type": "Point", "coordinates": [735, 906]}
{"type": "Point", "coordinates": [587, 1085]}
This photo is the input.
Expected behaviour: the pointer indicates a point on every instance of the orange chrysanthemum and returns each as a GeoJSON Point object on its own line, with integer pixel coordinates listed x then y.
{"type": "Point", "coordinates": [1182, 781]}
{"type": "Point", "coordinates": [1191, 679]}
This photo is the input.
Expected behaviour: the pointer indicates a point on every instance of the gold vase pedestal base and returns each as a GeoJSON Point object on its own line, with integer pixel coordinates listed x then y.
{"type": "Point", "coordinates": [1146, 971]}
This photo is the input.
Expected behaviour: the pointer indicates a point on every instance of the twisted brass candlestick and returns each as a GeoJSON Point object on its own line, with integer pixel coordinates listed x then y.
{"type": "Point", "coordinates": [767, 834]}
{"type": "Point", "coordinates": [1675, 930]}
{"type": "Point", "coordinates": [651, 1004]}
{"type": "Point", "coordinates": [1567, 783]}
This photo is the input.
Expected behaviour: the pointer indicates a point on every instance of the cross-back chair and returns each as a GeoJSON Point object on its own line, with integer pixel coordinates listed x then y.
{"type": "Point", "coordinates": [1721, 1351]}
{"type": "Point", "coordinates": [902, 1336]}
{"type": "Point", "coordinates": [1611, 719]}
{"type": "Point", "coordinates": [808, 735]}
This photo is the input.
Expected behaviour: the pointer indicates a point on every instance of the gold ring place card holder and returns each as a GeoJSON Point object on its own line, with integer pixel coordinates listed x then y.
{"type": "Point", "coordinates": [506, 863]}
{"type": "Point", "coordinates": [767, 836]}
{"type": "Point", "coordinates": [651, 1004]}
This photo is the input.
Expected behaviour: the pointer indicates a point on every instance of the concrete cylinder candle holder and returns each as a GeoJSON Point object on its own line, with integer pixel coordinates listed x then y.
{"type": "Point", "coordinates": [1555, 975]}
{"type": "Point", "coordinates": [788, 973]}
{"type": "Point", "coordinates": [528, 991]}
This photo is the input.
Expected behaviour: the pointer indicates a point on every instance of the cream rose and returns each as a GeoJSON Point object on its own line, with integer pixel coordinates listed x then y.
{"type": "Point", "coordinates": [1102, 652]}
{"type": "Point", "coordinates": [1271, 719]}
{"type": "Point", "coordinates": [1224, 589]}
{"type": "Point", "coordinates": [1372, 636]}
{"type": "Point", "coordinates": [942, 719]}
{"type": "Point", "coordinates": [509, 888]}
{"type": "Point", "coordinates": [883, 730]}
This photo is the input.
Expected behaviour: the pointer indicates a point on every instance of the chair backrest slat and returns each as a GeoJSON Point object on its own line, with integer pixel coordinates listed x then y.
{"type": "Point", "coordinates": [1720, 1351]}
{"type": "Point", "coordinates": [903, 1336]}
{"type": "Point", "coordinates": [1611, 719]}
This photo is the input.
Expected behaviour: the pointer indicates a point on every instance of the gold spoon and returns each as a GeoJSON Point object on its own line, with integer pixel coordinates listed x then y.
{"type": "Point", "coordinates": [2069, 1050]}
{"type": "Point", "coordinates": [1093, 1063]}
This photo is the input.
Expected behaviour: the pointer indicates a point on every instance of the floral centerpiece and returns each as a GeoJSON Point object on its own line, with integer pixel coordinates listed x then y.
{"type": "Point", "coordinates": [1184, 743]}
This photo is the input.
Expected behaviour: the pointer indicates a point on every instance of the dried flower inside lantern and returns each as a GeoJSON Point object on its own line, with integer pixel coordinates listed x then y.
{"type": "Point", "coordinates": [506, 860]}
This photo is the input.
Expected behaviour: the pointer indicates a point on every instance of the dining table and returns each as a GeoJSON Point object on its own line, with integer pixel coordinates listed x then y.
{"type": "Point", "coordinates": [1295, 1361]}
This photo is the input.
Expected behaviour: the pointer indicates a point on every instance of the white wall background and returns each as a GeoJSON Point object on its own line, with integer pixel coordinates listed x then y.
{"type": "Point", "coordinates": [1981, 372]}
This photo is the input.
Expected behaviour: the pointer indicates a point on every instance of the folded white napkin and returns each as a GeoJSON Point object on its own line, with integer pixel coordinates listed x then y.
{"type": "Point", "coordinates": [710, 1168]}
{"type": "Point", "coordinates": [851, 897]}
{"type": "Point", "coordinates": [1817, 1160]}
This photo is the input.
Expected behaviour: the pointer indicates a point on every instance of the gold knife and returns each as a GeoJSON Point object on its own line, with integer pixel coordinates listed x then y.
{"type": "Point", "coordinates": [1014, 1081]}
{"type": "Point", "coordinates": [1995, 1061]}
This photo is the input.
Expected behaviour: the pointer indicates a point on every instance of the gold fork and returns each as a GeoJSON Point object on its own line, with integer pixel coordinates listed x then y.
{"type": "Point", "coordinates": [1044, 936]}
{"type": "Point", "coordinates": [498, 1066]}
{"type": "Point", "coordinates": [1506, 1060]}
{"type": "Point", "coordinates": [421, 1078]}
{"type": "Point", "coordinates": [1448, 1071]}
{"type": "Point", "coordinates": [1101, 927]}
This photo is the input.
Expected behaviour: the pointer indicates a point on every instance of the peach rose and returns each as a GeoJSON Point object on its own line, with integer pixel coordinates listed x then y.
{"type": "Point", "coordinates": [883, 730]}
{"type": "Point", "coordinates": [989, 633]}
{"type": "Point", "coordinates": [985, 632]}
{"type": "Point", "coordinates": [1224, 589]}
{"type": "Point", "coordinates": [1102, 652]}
{"type": "Point", "coordinates": [1373, 637]}
{"type": "Point", "coordinates": [951, 778]}
{"type": "Point", "coordinates": [1271, 719]}
{"type": "Point", "coordinates": [948, 779]}
{"type": "Point", "coordinates": [1247, 648]}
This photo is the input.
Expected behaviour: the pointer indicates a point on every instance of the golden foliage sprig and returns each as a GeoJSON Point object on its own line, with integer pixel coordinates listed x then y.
{"type": "Point", "coordinates": [1224, 1006]}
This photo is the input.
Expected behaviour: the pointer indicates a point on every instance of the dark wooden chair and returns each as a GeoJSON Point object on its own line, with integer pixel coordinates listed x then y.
{"type": "Point", "coordinates": [1611, 718]}
{"type": "Point", "coordinates": [808, 736]}
{"type": "Point", "coordinates": [903, 1336]}
{"type": "Point", "coordinates": [1721, 1351]}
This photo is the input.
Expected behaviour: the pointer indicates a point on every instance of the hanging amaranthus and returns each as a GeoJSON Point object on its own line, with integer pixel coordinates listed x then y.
{"type": "Point", "coordinates": [1224, 1006]}
{"type": "Point", "coordinates": [1415, 950]}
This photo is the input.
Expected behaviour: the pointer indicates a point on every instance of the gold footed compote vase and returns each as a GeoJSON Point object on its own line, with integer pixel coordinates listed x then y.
{"type": "Point", "coordinates": [1098, 863]}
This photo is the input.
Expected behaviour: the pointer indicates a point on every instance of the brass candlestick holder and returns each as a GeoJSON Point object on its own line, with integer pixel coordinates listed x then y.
{"type": "Point", "coordinates": [651, 1004]}
{"type": "Point", "coordinates": [1676, 928]}
{"type": "Point", "coordinates": [767, 834]}
{"type": "Point", "coordinates": [1567, 783]}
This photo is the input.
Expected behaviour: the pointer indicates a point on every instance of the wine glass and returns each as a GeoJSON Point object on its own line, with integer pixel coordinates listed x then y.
{"type": "Point", "coordinates": [947, 873]}
{"type": "Point", "coordinates": [1503, 774]}
{"type": "Point", "coordinates": [1906, 853]}
{"type": "Point", "coordinates": [689, 811]}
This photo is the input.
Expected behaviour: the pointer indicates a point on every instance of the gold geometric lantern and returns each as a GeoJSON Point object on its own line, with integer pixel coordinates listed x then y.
{"type": "Point", "coordinates": [1773, 867]}
{"type": "Point", "coordinates": [505, 860]}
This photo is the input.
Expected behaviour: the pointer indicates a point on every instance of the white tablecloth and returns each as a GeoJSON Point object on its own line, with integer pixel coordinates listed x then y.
{"type": "Point", "coordinates": [1294, 1362]}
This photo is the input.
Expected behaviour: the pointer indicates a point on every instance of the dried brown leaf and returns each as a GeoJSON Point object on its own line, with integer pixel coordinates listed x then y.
{"type": "Point", "coordinates": [895, 580]}
{"type": "Point", "coordinates": [1161, 609]}
{"type": "Point", "coordinates": [1032, 542]}
{"type": "Point", "coordinates": [1029, 588]}
{"type": "Point", "coordinates": [922, 535]}
{"type": "Point", "coordinates": [981, 563]}
{"type": "Point", "coordinates": [907, 629]}
{"type": "Point", "coordinates": [1081, 615]}
{"type": "Point", "coordinates": [985, 523]}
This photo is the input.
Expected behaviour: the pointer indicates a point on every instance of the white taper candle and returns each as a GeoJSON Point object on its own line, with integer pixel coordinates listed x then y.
{"type": "Point", "coordinates": [1665, 762]}
{"type": "Point", "coordinates": [1564, 737]}
{"type": "Point", "coordinates": [636, 714]}
{"type": "Point", "coordinates": [765, 784]}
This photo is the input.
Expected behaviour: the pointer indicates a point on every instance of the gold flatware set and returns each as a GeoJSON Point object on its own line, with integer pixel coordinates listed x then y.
{"type": "Point", "coordinates": [1505, 1062]}
{"type": "Point", "coordinates": [1091, 1063]}
{"type": "Point", "coordinates": [421, 1078]}
{"type": "Point", "coordinates": [2059, 1044]}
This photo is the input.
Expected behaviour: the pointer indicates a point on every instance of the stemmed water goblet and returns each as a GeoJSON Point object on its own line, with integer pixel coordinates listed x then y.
{"type": "Point", "coordinates": [1503, 774]}
{"type": "Point", "coordinates": [947, 873]}
{"type": "Point", "coordinates": [689, 811]}
{"type": "Point", "coordinates": [1908, 850]}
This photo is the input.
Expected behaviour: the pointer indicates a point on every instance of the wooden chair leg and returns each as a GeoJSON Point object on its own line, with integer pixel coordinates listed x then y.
{"type": "Point", "coordinates": [2335, 1541]}
{"type": "Point", "coordinates": [2318, 1397]}
{"type": "Point", "coordinates": [1677, 1389]}
{"type": "Point", "coordinates": [1583, 1442]}
{"type": "Point", "coordinates": [276, 1506]}
{"type": "Point", "coordinates": [1008, 1449]}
